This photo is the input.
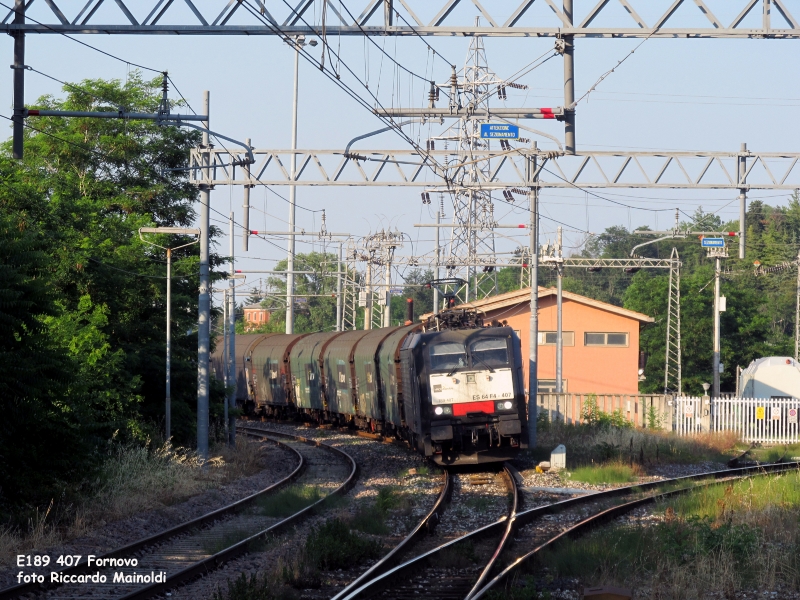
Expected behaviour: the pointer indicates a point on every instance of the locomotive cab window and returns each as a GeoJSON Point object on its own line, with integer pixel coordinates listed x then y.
{"type": "Point", "coordinates": [491, 352]}
{"type": "Point", "coordinates": [449, 355]}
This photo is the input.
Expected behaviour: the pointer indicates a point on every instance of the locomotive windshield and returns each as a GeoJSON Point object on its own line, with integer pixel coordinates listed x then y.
{"type": "Point", "coordinates": [492, 352]}
{"type": "Point", "coordinates": [448, 355]}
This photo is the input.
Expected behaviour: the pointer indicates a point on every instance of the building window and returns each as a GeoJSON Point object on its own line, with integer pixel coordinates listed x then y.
{"type": "Point", "coordinates": [548, 386]}
{"type": "Point", "coordinates": [548, 338]}
{"type": "Point", "coordinates": [620, 340]}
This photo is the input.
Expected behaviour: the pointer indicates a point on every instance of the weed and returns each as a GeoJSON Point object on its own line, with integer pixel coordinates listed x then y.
{"type": "Point", "coordinates": [587, 443]}
{"type": "Point", "coordinates": [254, 588]}
{"type": "Point", "coordinates": [215, 544]}
{"type": "Point", "coordinates": [457, 556]}
{"type": "Point", "coordinates": [288, 501]}
{"type": "Point", "coordinates": [333, 545]}
{"type": "Point", "coordinates": [721, 538]}
{"type": "Point", "coordinates": [479, 503]}
{"type": "Point", "coordinates": [372, 519]}
{"type": "Point", "coordinates": [608, 473]}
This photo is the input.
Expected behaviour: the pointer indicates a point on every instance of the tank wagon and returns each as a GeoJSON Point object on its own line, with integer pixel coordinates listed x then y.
{"type": "Point", "coordinates": [455, 394]}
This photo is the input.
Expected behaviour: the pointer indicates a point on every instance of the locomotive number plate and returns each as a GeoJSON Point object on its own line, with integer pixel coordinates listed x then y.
{"type": "Point", "coordinates": [471, 387]}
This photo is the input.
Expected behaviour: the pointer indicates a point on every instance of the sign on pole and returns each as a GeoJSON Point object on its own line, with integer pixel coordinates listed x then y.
{"type": "Point", "coordinates": [499, 131]}
{"type": "Point", "coordinates": [776, 413]}
{"type": "Point", "coordinates": [709, 242]}
{"type": "Point", "coordinates": [792, 415]}
{"type": "Point", "coordinates": [760, 413]}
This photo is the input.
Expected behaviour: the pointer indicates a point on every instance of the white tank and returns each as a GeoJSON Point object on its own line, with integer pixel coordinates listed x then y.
{"type": "Point", "coordinates": [769, 377]}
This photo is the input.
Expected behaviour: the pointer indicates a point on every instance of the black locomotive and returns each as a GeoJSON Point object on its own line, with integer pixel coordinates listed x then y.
{"type": "Point", "coordinates": [451, 387]}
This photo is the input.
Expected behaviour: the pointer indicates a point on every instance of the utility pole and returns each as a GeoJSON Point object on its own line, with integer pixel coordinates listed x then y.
{"type": "Point", "coordinates": [204, 300]}
{"type": "Point", "coordinates": [533, 333]}
{"type": "Point", "coordinates": [19, 80]}
{"type": "Point", "coordinates": [559, 314]}
{"type": "Point", "coordinates": [180, 231]}
{"type": "Point", "coordinates": [741, 164]}
{"type": "Point", "coordinates": [368, 294]}
{"type": "Point", "coordinates": [299, 41]}
{"type": "Point", "coordinates": [797, 314]}
{"type": "Point", "coordinates": [436, 307]}
{"type": "Point", "coordinates": [339, 299]}
{"type": "Point", "coordinates": [246, 206]}
{"type": "Point", "coordinates": [716, 329]}
{"type": "Point", "coordinates": [387, 294]}
{"type": "Point", "coordinates": [569, 83]}
{"type": "Point", "coordinates": [231, 365]}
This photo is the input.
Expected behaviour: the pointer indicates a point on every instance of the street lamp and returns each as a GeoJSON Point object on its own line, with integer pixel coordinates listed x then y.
{"type": "Point", "coordinates": [298, 42]}
{"type": "Point", "coordinates": [173, 231]}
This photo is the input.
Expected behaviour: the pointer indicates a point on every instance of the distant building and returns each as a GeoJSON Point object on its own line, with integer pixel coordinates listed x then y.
{"type": "Point", "coordinates": [601, 341]}
{"type": "Point", "coordinates": [771, 377]}
{"type": "Point", "coordinates": [255, 316]}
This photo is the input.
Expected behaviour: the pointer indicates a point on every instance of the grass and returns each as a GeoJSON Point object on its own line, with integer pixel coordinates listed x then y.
{"type": "Point", "coordinates": [608, 473]}
{"type": "Point", "coordinates": [134, 478]}
{"type": "Point", "coordinates": [255, 588]}
{"type": "Point", "coordinates": [723, 538]}
{"type": "Point", "coordinates": [288, 501]}
{"type": "Point", "coordinates": [228, 538]}
{"type": "Point", "coordinates": [587, 444]}
{"type": "Point", "coordinates": [372, 519]}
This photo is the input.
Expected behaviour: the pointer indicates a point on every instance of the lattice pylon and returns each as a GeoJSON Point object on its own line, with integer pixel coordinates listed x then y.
{"type": "Point", "coordinates": [351, 288]}
{"type": "Point", "coordinates": [472, 242]}
{"type": "Point", "coordinates": [672, 363]}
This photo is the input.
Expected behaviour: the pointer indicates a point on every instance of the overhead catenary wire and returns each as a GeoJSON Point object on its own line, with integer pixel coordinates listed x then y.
{"type": "Point", "coordinates": [77, 41]}
{"type": "Point", "coordinates": [428, 159]}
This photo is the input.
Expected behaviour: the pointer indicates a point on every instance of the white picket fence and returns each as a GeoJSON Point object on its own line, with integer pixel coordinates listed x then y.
{"type": "Point", "coordinates": [768, 420]}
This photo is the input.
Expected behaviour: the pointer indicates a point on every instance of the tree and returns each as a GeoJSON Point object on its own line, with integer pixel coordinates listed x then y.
{"type": "Point", "coordinates": [80, 196]}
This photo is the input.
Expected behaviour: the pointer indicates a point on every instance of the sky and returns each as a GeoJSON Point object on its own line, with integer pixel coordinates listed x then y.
{"type": "Point", "coordinates": [676, 94]}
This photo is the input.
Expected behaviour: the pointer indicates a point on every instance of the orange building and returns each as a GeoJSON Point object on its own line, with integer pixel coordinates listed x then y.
{"type": "Point", "coordinates": [601, 341]}
{"type": "Point", "coordinates": [255, 316]}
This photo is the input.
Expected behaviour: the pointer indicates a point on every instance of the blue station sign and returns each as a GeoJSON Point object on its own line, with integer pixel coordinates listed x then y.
{"type": "Point", "coordinates": [499, 131]}
{"type": "Point", "coordinates": [712, 242]}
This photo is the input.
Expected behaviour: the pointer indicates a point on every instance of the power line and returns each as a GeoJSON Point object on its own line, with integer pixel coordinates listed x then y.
{"type": "Point", "coordinates": [122, 60]}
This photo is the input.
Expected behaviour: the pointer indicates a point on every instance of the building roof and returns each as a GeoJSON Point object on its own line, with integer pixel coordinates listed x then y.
{"type": "Point", "coordinates": [254, 307]}
{"type": "Point", "coordinates": [523, 296]}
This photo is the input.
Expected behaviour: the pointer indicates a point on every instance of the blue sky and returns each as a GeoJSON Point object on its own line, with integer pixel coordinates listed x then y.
{"type": "Point", "coordinates": [671, 94]}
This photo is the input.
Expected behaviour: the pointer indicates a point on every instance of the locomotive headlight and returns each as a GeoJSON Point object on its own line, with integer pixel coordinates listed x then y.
{"type": "Point", "coordinates": [507, 404]}
{"type": "Point", "coordinates": [438, 410]}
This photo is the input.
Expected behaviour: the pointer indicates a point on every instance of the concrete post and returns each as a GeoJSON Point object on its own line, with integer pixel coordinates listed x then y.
{"type": "Point", "coordinates": [204, 301]}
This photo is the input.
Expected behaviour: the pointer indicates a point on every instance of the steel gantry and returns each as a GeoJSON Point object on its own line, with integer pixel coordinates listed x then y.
{"type": "Point", "coordinates": [672, 354]}
{"type": "Point", "coordinates": [528, 18]}
{"type": "Point", "coordinates": [587, 169]}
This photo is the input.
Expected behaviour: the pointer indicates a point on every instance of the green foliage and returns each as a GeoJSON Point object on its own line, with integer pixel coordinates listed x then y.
{"type": "Point", "coordinates": [372, 519]}
{"type": "Point", "coordinates": [333, 545]}
{"type": "Point", "coordinates": [82, 298]}
{"type": "Point", "coordinates": [289, 501]}
{"type": "Point", "coordinates": [610, 473]}
{"type": "Point", "coordinates": [255, 587]}
{"type": "Point", "coordinates": [654, 420]}
{"type": "Point", "coordinates": [594, 417]}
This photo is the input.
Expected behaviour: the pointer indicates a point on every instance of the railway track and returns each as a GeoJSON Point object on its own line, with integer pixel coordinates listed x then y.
{"type": "Point", "coordinates": [527, 533]}
{"type": "Point", "coordinates": [422, 576]}
{"type": "Point", "coordinates": [199, 546]}
{"type": "Point", "coordinates": [532, 537]}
